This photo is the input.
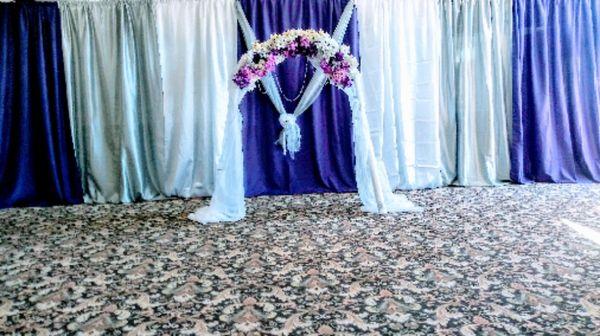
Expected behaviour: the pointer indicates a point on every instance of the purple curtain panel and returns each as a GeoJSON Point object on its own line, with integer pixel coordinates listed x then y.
{"type": "Point", "coordinates": [37, 163]}
{"type": "Point", "coordinates": [556, 92]}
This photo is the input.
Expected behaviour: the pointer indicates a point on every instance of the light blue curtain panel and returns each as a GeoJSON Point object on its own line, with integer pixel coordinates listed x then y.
{"type": "Point", "coordinates": [114, 91]}
{"type": "Point", "coordinates": [476, 100]}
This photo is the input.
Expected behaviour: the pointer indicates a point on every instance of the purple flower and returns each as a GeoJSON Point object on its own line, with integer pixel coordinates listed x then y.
{"type": "Point", "coordinates": [346, 82]}
{"type": "Point", "coordinates": [241, 81]}
{"type": "Point", "coordinates": [259, 72]}
{"type": "Point", "coordinates": [243, 77]}
{"type": "Point", "coordinates": [341, 78]}
{"type": "Point", "coordinates": [292, 49]}
{"type": "Point", "coordinates": [326, 67]}
{"type": "Point", "coordinates": [271, 63]}
{"type": "Point", "coordinates": [339, 56]}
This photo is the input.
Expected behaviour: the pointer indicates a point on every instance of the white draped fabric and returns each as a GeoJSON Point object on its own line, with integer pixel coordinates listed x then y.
{"type": "Point", "coordinates": [371, 175]}
{"type": "Point", "coordinates": [198, 53]}
{"type": "Point", "coordinates": [438, 82]}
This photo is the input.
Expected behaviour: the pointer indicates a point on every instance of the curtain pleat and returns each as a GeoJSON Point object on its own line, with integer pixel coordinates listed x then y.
{"type": "Point", "coordinates": [198, 54]}
{"type": "Point", "coordinates": [114, 85]}
{"type": "Point", "coordinates": [37, 163]}
{"type": "Point", "coordinates": [556, 59]}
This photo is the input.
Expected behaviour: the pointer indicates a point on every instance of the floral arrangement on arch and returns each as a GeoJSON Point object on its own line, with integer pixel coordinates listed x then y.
{"type": "Point", "coordinates": [334, 59]}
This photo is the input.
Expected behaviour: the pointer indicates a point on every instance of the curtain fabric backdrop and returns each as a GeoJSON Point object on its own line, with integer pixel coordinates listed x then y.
{"type": "Point", "coordinates": [325, 161]}
{"type": "Point", "coordinates": [556, 60]}
{"type": "Point", "coordinates": [113, 76]}
{"type": "Point", "coordinates": [37, 164]}
{"type": "Point", "coordinates": [198, 54]}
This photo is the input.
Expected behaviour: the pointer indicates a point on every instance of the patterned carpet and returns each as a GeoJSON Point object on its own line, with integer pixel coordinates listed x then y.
{"type": "Point", "coordinates": [508, 260]}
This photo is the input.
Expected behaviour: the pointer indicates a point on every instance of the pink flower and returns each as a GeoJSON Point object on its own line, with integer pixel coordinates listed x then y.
{"type": "Point", "coordinates": [260, 72]}
{"type": "Point", "coordinates": [304, 41]}
{"type": "Point", "coordinates": [271, 62]}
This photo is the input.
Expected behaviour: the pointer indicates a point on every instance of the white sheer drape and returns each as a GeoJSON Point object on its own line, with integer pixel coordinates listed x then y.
{"type": "Point", "coordinates": [198, 53]}
{"type": "Point", "coordinates": [227, 203]}
{"type": "Point", "coordinates": [438, 80]}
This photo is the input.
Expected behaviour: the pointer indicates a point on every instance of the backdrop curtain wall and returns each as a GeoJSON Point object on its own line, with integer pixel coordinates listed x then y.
{"type": "Point", "coordinates": [37, 164]}
{"type": "Point", "coordinates": [556, 58]}
{"type": "Point", "coordinates": [451, 87]}
{"type": "Point", "coordinates": [325, 161]}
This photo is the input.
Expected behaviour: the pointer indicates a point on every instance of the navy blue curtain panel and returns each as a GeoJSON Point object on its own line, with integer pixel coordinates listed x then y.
{"type": "Point", "coordinates": [556, 92]}
{"type": "Point", "coordinates": [37, 163]}
{"type": "Point", "coordinates": [325, 161]}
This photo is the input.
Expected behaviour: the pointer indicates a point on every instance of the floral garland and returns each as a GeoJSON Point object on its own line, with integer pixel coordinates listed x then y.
{"type": "Point", "coordinates": [334, 59]}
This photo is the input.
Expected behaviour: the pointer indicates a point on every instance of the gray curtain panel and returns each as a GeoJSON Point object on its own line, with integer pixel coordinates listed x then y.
{"type": "Point", "coordinates": [114, 89]}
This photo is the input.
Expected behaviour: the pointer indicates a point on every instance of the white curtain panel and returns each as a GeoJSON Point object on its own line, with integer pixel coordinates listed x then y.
{"type": "Point", "coordinates": [400, 47]}
{"type": "Point", "coordinates": [198, 54]}
{"type": "Point", "coordinates": [438, 79]}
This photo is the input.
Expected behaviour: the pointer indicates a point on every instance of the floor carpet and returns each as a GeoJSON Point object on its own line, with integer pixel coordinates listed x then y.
{"type": "Point", "coordinates": [507, 260]}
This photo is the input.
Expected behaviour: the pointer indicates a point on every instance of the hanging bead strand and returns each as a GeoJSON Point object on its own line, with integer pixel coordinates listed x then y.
{"type": "Point", "coordinates": [302, 88]}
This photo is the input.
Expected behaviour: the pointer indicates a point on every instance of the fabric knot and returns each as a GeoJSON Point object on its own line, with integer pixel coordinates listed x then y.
{"type": "Point", "coordinates": [287, 119]}
{"type": "Point", "coordinates": [290, 136]}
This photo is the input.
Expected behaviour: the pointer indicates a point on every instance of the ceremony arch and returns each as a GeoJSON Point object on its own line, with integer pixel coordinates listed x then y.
{"type": "Point", "coordinates": [333, 64]}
